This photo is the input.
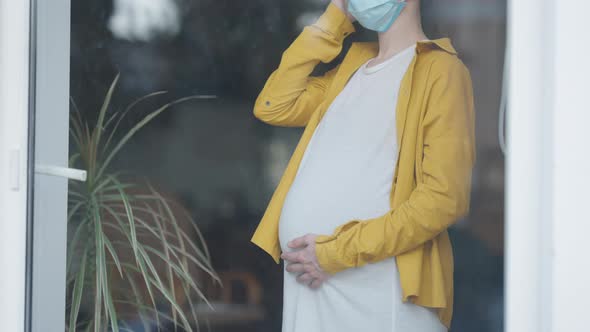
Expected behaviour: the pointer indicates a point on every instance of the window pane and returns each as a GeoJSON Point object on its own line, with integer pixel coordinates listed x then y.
{"type": "Point", "coordinates": [173, 197]}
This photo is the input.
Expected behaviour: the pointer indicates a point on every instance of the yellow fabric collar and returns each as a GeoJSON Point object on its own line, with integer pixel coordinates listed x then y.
{"type": "Point", "coordinates": [441, 43]}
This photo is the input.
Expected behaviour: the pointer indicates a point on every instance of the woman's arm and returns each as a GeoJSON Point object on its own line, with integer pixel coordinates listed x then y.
{"type": "Point", "coordinates": [290, 94]}
{"type": "Point", "coordinates": [439, 199]}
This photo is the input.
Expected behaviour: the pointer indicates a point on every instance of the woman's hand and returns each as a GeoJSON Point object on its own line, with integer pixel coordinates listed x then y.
{"type": "Point", "coordinates": [304, 261]}
{"type": "Point", "coordinates": [342, 4]}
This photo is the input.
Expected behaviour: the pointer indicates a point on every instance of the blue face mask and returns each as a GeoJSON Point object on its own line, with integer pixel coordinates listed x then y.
{"type": "Point", "coordinates": [376, 15]}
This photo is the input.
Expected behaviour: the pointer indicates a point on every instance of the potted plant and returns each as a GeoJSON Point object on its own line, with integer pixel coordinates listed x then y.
{"type": "Point", "coordinates": [133, 252]}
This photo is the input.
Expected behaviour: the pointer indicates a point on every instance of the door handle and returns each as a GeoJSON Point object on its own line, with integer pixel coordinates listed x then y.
{"type": "Point", "coordinates": [64, 172]}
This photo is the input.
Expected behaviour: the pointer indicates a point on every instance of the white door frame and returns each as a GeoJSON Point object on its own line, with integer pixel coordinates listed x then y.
{"type": "Point", "coordinates": [34, 121]}
{"type": "Point", "coordinates": [14, 142]}
{"type": "Point", "coordinates": [51, 76]}
{"type": "Point", "coordinates": [528, 180]}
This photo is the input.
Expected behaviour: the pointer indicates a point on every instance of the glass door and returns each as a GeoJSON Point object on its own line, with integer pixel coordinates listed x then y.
{"type": "Point", "coordinates": [151, 172]}
{"type": "Point", "coordinates": [111, 249]}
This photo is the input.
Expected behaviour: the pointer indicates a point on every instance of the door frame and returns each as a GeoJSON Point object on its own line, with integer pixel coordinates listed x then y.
{"type": "Point", "coordinates": [49, 146]}
{"type": "Point", "coordinates": [34, 120]}
{"type": "Point", "coordinates": [15, 23]}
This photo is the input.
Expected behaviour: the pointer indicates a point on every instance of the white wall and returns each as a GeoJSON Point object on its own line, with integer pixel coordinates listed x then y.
{"type": "Point", "coordinates": [548, 166]}
{"type": "Point", "coordinates": [571, 167]}
{"type": "Point", "coordinates": [14, 57]}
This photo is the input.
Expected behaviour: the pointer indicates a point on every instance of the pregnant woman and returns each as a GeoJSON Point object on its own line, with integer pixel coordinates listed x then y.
{"type": "Point", "coordinates": [382, 169]}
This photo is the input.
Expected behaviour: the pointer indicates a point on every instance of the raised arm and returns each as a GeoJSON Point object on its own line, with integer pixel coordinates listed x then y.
{"type": "Point", "coordinates": [290, 94]}
{"type": "Point", "coordinates": [441, 196]}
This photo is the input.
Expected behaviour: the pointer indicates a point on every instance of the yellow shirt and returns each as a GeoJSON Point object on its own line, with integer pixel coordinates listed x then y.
{"type": "Point", "coordinates": [435, 124]}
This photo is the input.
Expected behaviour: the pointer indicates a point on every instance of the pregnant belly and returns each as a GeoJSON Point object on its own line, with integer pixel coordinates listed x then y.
{"type": "Point", "coordinates": [318, 208]}
{"type": "Point", "coordinates": [305, 217]}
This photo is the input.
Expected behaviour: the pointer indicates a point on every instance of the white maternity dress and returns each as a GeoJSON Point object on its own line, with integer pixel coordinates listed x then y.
{"type": "Point", "coordinates": [346, 173]}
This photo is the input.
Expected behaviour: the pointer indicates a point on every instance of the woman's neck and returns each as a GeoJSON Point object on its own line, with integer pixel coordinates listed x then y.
{"type": "Point", "coordinates": [405, 31]}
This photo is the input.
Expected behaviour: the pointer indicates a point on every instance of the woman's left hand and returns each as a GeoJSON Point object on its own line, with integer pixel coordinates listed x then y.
{"type": "Point", "coordinates": [304, 261]}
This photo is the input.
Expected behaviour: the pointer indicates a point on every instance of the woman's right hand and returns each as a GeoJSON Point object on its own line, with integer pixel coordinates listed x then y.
{"type": "Point", "coordinates": [343, 6]}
